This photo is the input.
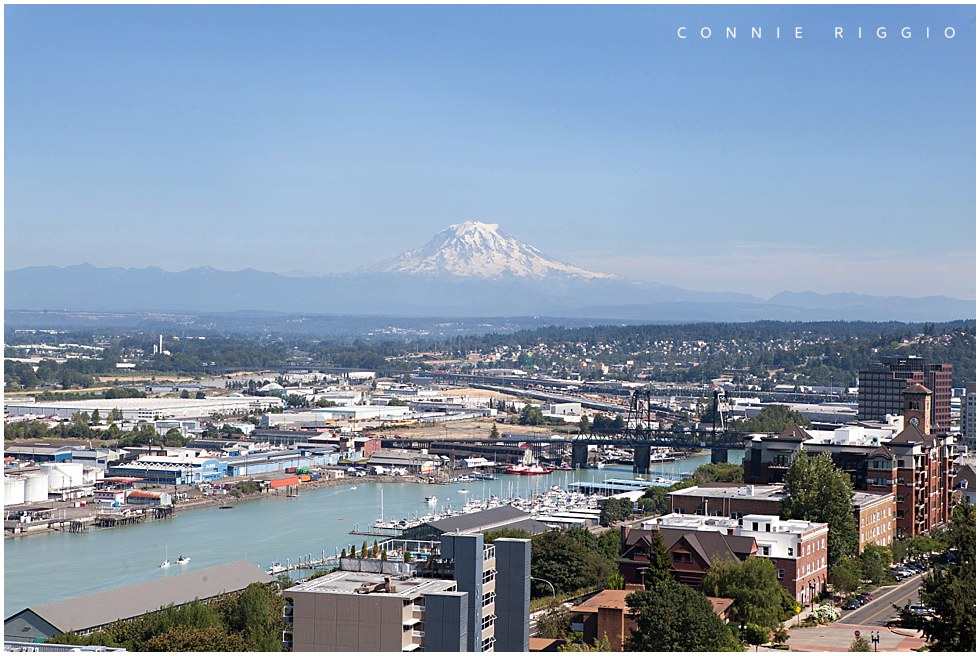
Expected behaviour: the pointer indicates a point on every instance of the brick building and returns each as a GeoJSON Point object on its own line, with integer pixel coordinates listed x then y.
{"type": "Point", "coordinates": [797, 548]}
{"type": "Point", "coordinates": [874, 512]}
{"type": "Point", "coordinates": [913, 463]}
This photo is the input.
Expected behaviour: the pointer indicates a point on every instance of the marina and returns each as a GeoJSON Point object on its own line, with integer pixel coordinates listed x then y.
{"type": "Point", "coordinates": [264, 530]}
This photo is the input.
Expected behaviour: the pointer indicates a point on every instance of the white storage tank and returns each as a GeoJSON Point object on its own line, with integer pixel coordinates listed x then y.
{"type": "Point", "coordinates": [90, 475]}
{"type": "Point", "coordinates": [62, 475]}
{"type": "Point", "coordinates": [13, 490]}
{"type": "Point", "coordinates": [36, 488]}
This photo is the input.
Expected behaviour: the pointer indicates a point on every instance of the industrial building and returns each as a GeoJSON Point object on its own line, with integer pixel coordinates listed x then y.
{"type": "Point", "coordinates": [87, 614]}
{"type": "Point", "coordinates": [149, 409]}
{"type": "Point", "coordinates": [469, 596]}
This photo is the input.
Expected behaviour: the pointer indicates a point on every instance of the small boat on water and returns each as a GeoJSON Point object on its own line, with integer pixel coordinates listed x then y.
{"type": "Point", "coordinates": [433, 500]}
{"type": "Point", "coordinates": [276, 567]}
{"type": "Point", "coordinates": [165, 564]}
{"type": "Point", "coordinates": [225, 507]}
{"type": "Point", "coordinates": [463, 491]}
{"type": "Point", "coordinates": [183, 560]}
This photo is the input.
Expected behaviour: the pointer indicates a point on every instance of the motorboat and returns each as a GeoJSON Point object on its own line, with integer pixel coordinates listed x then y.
{"type": "Point", "coordinates": [183, 560]}
{"type": "Point", "coordinates": [433, 500]}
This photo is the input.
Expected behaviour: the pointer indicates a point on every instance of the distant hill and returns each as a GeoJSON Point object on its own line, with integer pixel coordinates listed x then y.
{"type": "Point", "coordinates": [468, 270]}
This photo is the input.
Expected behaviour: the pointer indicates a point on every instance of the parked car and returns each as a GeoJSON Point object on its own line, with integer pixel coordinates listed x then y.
{"type": "Point", "coordinates": [853, 604]}
{"type": "Point", "coordinates": [866, 596]}
{"type": "Point", "coordinates": [903, 572]}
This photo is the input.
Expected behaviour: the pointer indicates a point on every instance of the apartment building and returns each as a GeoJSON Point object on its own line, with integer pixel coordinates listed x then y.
{"type": "Point", "coordinates": [463, 596]}
{"type": "Point", "coordinates": [914, 464]}
{"type": "Point", "coordinates": [797, 548]}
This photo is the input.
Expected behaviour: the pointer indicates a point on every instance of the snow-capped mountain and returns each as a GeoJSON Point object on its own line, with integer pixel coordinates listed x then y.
{"type": "Point", "coordinates": [481, 250]}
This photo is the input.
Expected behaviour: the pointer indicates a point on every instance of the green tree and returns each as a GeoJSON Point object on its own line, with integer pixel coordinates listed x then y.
{"type": "Point", "coordinates": [187, 638]}
{"type": "Point", "coordinates": [753, 585]}
{"type": "Point", "coordinates": [494, 432]}
{"type": "Point", "coordinates": [773, 418]}
{"type": "Point", "coordinates": [615, 510]}
{"type": "Point", "coordinates": [599, 644]}
{"type": "Point", "coordinates": [184, 394]}
{"type": "Point", "coordinates": [659, 565]}
{"type": "Point", "coordinates": [875, 560]}
{"type": "Point", "coordinates": [845, 576]}
{"type": "Point", "coordinates": [817, 491]}
{"type": "Point", "coordinates": [256, 615]}
{"type": "Point", "coordinates": [673, 617]}
{"type": "Point", "coordinates": [555, 623]}
{"type": "Point", "coordinates": [96, 418]}
{"type": "Point", "coordinates": [654, 500]}
{"type": "Point", "coordinates": [569, 559]}
{"type": "Point", "coordinates": [756, 635]}
{"type": "Point", "coordinates": [951, 589]}
{"type": "Point", "coordinates": [860, 643]}
{"type": "Point", "coordinates": [531, 416]}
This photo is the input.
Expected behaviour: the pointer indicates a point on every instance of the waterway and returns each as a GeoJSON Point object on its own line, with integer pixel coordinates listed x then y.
{"type": "Point", "coordinates": [45, 568]}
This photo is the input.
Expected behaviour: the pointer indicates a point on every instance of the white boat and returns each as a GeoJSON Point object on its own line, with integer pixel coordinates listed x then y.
{"type": "Point", "coordinates": [165, 563]}
{"type": "Point", "coordinates": [463, 491]}
{"type": "Point", "coordinates": [183, 560]}
{"type": "Point", "coordinates": [276, 567]}
{"type": "Point", "coordinates": [432, 500]}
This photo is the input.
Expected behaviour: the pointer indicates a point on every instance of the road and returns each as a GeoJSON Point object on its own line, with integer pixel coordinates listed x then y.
{"type": "Point", "coordinates": [880, 610]}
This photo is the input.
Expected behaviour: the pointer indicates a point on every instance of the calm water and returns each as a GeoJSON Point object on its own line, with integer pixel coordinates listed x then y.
{"type": "Point", "coordinates": [45, 568]}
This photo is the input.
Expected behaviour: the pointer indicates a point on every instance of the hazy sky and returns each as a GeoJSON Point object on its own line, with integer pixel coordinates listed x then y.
{"type": "Point", "coordinates": [326, 138]}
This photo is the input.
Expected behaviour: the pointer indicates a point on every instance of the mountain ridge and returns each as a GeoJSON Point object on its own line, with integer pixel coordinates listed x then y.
{"type": "Point", "coordinates": [467, 269]}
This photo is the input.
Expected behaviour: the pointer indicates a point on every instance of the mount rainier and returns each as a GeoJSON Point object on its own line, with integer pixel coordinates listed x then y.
{"type": "Point", "coordinates": [470, 269]}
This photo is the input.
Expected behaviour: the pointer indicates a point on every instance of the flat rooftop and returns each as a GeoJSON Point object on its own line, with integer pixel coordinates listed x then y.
{"type": "Point", "coordinates": [349, 582]}
{"type": "Point", "coordinates": [733, 491]}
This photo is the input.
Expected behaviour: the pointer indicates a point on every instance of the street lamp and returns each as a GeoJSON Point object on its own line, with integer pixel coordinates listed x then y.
{"type": "Point", "coordinates": [875, 637]}
{"type": "Point", "coordinates": [813, 592]}
{"type": "Point", "coordinates": [554, 595]}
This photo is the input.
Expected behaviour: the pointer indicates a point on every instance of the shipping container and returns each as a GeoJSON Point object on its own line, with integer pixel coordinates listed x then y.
{"type": "Point", "coordinates": [302, 470]}
{"type": "Point", "coordinates": [304, 478]}
{"type": "Point", "coordinates": [290, 470]}
{"type": "Point", "coordinates": [314, 477]}
{"type": "Point", "coordinates": [284, 482]}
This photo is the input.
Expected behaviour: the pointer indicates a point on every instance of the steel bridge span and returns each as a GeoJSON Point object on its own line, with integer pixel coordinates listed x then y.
{"type": "Point", "coordinates": [642, 442]}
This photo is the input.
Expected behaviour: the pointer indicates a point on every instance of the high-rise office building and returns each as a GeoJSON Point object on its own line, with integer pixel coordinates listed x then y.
{"type": "Point", "coordinates": [881, 389]}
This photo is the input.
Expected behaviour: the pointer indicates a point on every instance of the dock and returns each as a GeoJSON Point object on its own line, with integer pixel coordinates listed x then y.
{"type": "Point", "coordinates": [304, 562]}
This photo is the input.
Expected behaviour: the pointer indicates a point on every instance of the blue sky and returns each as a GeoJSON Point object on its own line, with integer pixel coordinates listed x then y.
{"type": "Point", "coordinates": [327, 138]}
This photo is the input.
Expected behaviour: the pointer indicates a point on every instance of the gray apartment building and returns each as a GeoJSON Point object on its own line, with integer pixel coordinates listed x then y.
{"type": "Point", "coordinates": [464, 595]}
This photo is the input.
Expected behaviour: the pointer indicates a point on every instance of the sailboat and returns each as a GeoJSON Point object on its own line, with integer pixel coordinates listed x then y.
{"type": "Point", "coordinates": [166, 561]}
